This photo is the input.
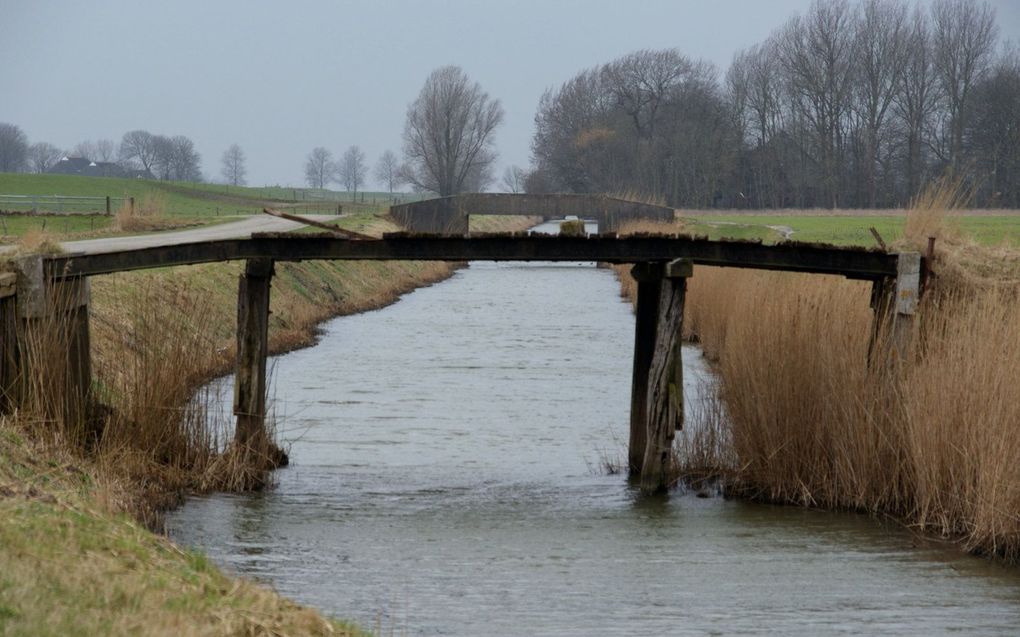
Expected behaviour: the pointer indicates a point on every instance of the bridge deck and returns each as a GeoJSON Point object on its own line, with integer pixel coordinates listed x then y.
{"type": "Point", "coordinates": [854, 263]}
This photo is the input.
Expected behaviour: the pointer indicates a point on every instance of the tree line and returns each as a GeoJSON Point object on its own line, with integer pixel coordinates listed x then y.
{"type": "Point", "coordinates": [164, 157]}
{"type": "Point", "coordinates": [848, 105]}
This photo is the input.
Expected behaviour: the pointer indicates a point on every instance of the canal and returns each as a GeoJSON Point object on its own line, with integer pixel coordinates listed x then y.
{"type": "Point", "coordinates": [445, 480]}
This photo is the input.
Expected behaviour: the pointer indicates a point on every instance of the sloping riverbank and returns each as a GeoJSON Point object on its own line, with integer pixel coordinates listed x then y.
{"type": "Point", "coordinates": [75, 555]}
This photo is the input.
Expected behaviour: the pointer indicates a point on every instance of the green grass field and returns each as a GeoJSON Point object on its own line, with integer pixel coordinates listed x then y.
{"type": "Point", "coordinates": [847, 230]}
{"type": "Point", "coordinates": [187, 199]}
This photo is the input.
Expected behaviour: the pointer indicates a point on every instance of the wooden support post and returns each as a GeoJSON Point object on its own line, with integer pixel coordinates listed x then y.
{"type": "Point", "coordinates": [54, 314]}
{"type": "Point", "coordinates": [107, 205]}
{"type": "Point", "coordinates": [894, 301]}
{"type": "Point", "coordinates": [665, 392]}
{"type": "Point", "coordinates": [252, 350]}
{"type": "Point", "coordinates": [649, 288]}
{"type": "Point", "coordinates": [8, 342]}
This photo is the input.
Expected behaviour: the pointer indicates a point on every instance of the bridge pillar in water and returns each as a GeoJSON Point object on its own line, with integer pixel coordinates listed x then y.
{"type": "Point", "coordinates": [649, 287]}
{"type": "Point", "coordinates": [664, 411]}
{"type": "Point", "coordinates": [895, 301]}
{"type": "Point", "coordinates": [51, 350]}
{"type": "Point", "coordinates": [656, 402]}
{"type": "Point", "coordinates": [252, 350]}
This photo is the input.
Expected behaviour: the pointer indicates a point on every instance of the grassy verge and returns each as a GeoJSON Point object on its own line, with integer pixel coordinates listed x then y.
{"type": "Point", "coordinates": [848, 227]}
{"type": "Point", "coordinates": [69, 566]}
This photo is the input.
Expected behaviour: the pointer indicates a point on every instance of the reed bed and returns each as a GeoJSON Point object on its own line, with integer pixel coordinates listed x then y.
{"type": "Point", "coordinates": [801, 417]}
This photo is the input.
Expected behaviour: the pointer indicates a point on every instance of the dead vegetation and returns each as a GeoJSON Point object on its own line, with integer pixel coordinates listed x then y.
{"type": "Point", "coordinates": [933, 441]}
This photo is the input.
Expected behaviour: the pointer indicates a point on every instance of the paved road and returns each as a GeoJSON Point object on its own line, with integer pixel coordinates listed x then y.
{"type": "Point", "coordinates": [233, 230]}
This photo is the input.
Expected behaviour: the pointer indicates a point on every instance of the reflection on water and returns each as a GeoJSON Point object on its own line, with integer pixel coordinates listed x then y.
{"type": "Point", "coordinates": [443, 478]}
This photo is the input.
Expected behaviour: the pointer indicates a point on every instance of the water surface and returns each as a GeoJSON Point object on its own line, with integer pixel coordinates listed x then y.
{"type": "Point", "coordinates": [444, 481]}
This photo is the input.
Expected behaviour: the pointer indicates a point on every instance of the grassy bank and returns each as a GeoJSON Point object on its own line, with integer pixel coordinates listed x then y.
{"type": "Point", "coordinates": [847, 227]}
{"type": "Point", "coordinates": [69, 565]}
{"type": "Point", "coordinates": [933, 441]}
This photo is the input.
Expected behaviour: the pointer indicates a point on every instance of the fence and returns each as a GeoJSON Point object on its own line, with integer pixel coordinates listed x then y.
{"type": "Point", "coordinates": [60, 204]}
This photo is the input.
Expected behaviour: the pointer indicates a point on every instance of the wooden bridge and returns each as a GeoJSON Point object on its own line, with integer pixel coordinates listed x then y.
{"type": "Point", "coordinates": [450, 215]}
{"type": "Point", "coordinates": [58, 285]}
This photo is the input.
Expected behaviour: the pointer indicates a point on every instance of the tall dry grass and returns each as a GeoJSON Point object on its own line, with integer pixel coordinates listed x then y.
{"type": "Point", "coordinates": [933, 441]}
{"type": "Point", "coordinates": [142, 422]}
{"type": "Point", "coordinates": [147, 213]}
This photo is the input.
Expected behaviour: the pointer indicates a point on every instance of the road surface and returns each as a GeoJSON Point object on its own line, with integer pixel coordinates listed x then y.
{"type": "Point", "coordinates": [233, 230]}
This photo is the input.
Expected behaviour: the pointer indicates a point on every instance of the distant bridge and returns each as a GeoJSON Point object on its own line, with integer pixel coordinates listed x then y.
{"type": "Point", "coordinates": [57, 286]}
{"type": "Point", "coordinates": [449, 215]}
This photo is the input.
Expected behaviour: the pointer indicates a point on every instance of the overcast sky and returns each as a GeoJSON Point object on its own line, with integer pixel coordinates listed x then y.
{"type": "Point", "coordinates": [280, 78]}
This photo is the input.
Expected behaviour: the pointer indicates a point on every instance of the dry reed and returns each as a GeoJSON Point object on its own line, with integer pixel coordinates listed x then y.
{"type": "Point", "coordinates": [148, 213]}
{"type": "Point", "coordinates": [934, 441]}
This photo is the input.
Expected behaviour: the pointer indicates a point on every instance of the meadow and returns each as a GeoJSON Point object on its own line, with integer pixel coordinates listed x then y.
{"type": "Point", "coordinates": [848, 227]}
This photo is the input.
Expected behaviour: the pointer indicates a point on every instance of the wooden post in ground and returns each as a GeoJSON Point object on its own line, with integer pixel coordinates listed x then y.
{"type": "Point", "coordinates": [665, 393]}
{"type": "Point", "coordinates": [54, 315]}
{"type": "Point", "coordinates": [252, 350]}
{"type": "Point", "coordinates": [894, 302]}
{"type": "Point", "coordinates": [8, 342]}
{"type": "Point", "coordinates": [649, 287]}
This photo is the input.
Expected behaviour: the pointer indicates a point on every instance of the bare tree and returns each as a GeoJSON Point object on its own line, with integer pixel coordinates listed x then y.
{"type": "Point", "coordinates": [233, 166]}
{"type": "Point", "coordinates": [139, 147]}
{"type": "Point", "coordinates": [917, 98]}
{"type": "Point", "coordinates": [162, 157]}
{"type": "Point", "coordinates": [352, 169]}
{"type": "Point", "coordinates": [964, 35]}
{"type": "Point", "coordinates": [86, 149]}
{"type": "Point", "coordinates": [319, 167]}
{"type": "Point", "coordinates": [880, 51]}
{"type": "Point", "coordinates": [104, 150]}
{"type": "Point", "coordinates": [42, 156]}
{"type": "Point", "coordinates": [816, 51]}
{"type": "Point", "coordinates": [514, 178]}
{"type": "Point", "coordinates": [448, 136]}
{"type": "Point", "coordinates": [13, 148]}
{"type": "Point", "coordinates": [387, 170]}
{"type": "Point", "coordinates": [175, 159]}
{"type": "Point", "coordinates": [993, 132]}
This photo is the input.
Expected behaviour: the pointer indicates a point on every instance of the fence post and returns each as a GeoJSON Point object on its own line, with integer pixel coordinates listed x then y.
{"type": "Point", "coordinates": [107, 205]}
{"type": "Point", "coordinates": [132, 200]}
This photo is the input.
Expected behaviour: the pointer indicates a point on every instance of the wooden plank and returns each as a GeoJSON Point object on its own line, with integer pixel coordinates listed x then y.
{"type": "Point", "coordinates": [252, 350]}
{"type": "Point", "coordinates": [665, 391]}
{"type": "Point", "coordinates": [851, 263]}
{"type": "Point", "coordinates": [648, 278]}
{"type": "Point", "coordinates": [339, 232]}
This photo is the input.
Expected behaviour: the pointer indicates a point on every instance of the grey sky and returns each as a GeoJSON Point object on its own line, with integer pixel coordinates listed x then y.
{"type": "Point", "coordinates": [282, 77]}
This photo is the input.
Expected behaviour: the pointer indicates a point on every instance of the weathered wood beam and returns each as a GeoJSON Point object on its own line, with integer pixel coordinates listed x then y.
{"type": "Point", "coordinates": [51, 314]}
{"type": "Point", "coordinates": [851, 263]}
{"type": "Point", "coordinates": [252, 350]}
{"type": "Point", "coordinates": [649, 287]}
{"type": "Point", "coordinates": [665, 392]}
{"type": "Point", "coordinates": [894, 301]}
